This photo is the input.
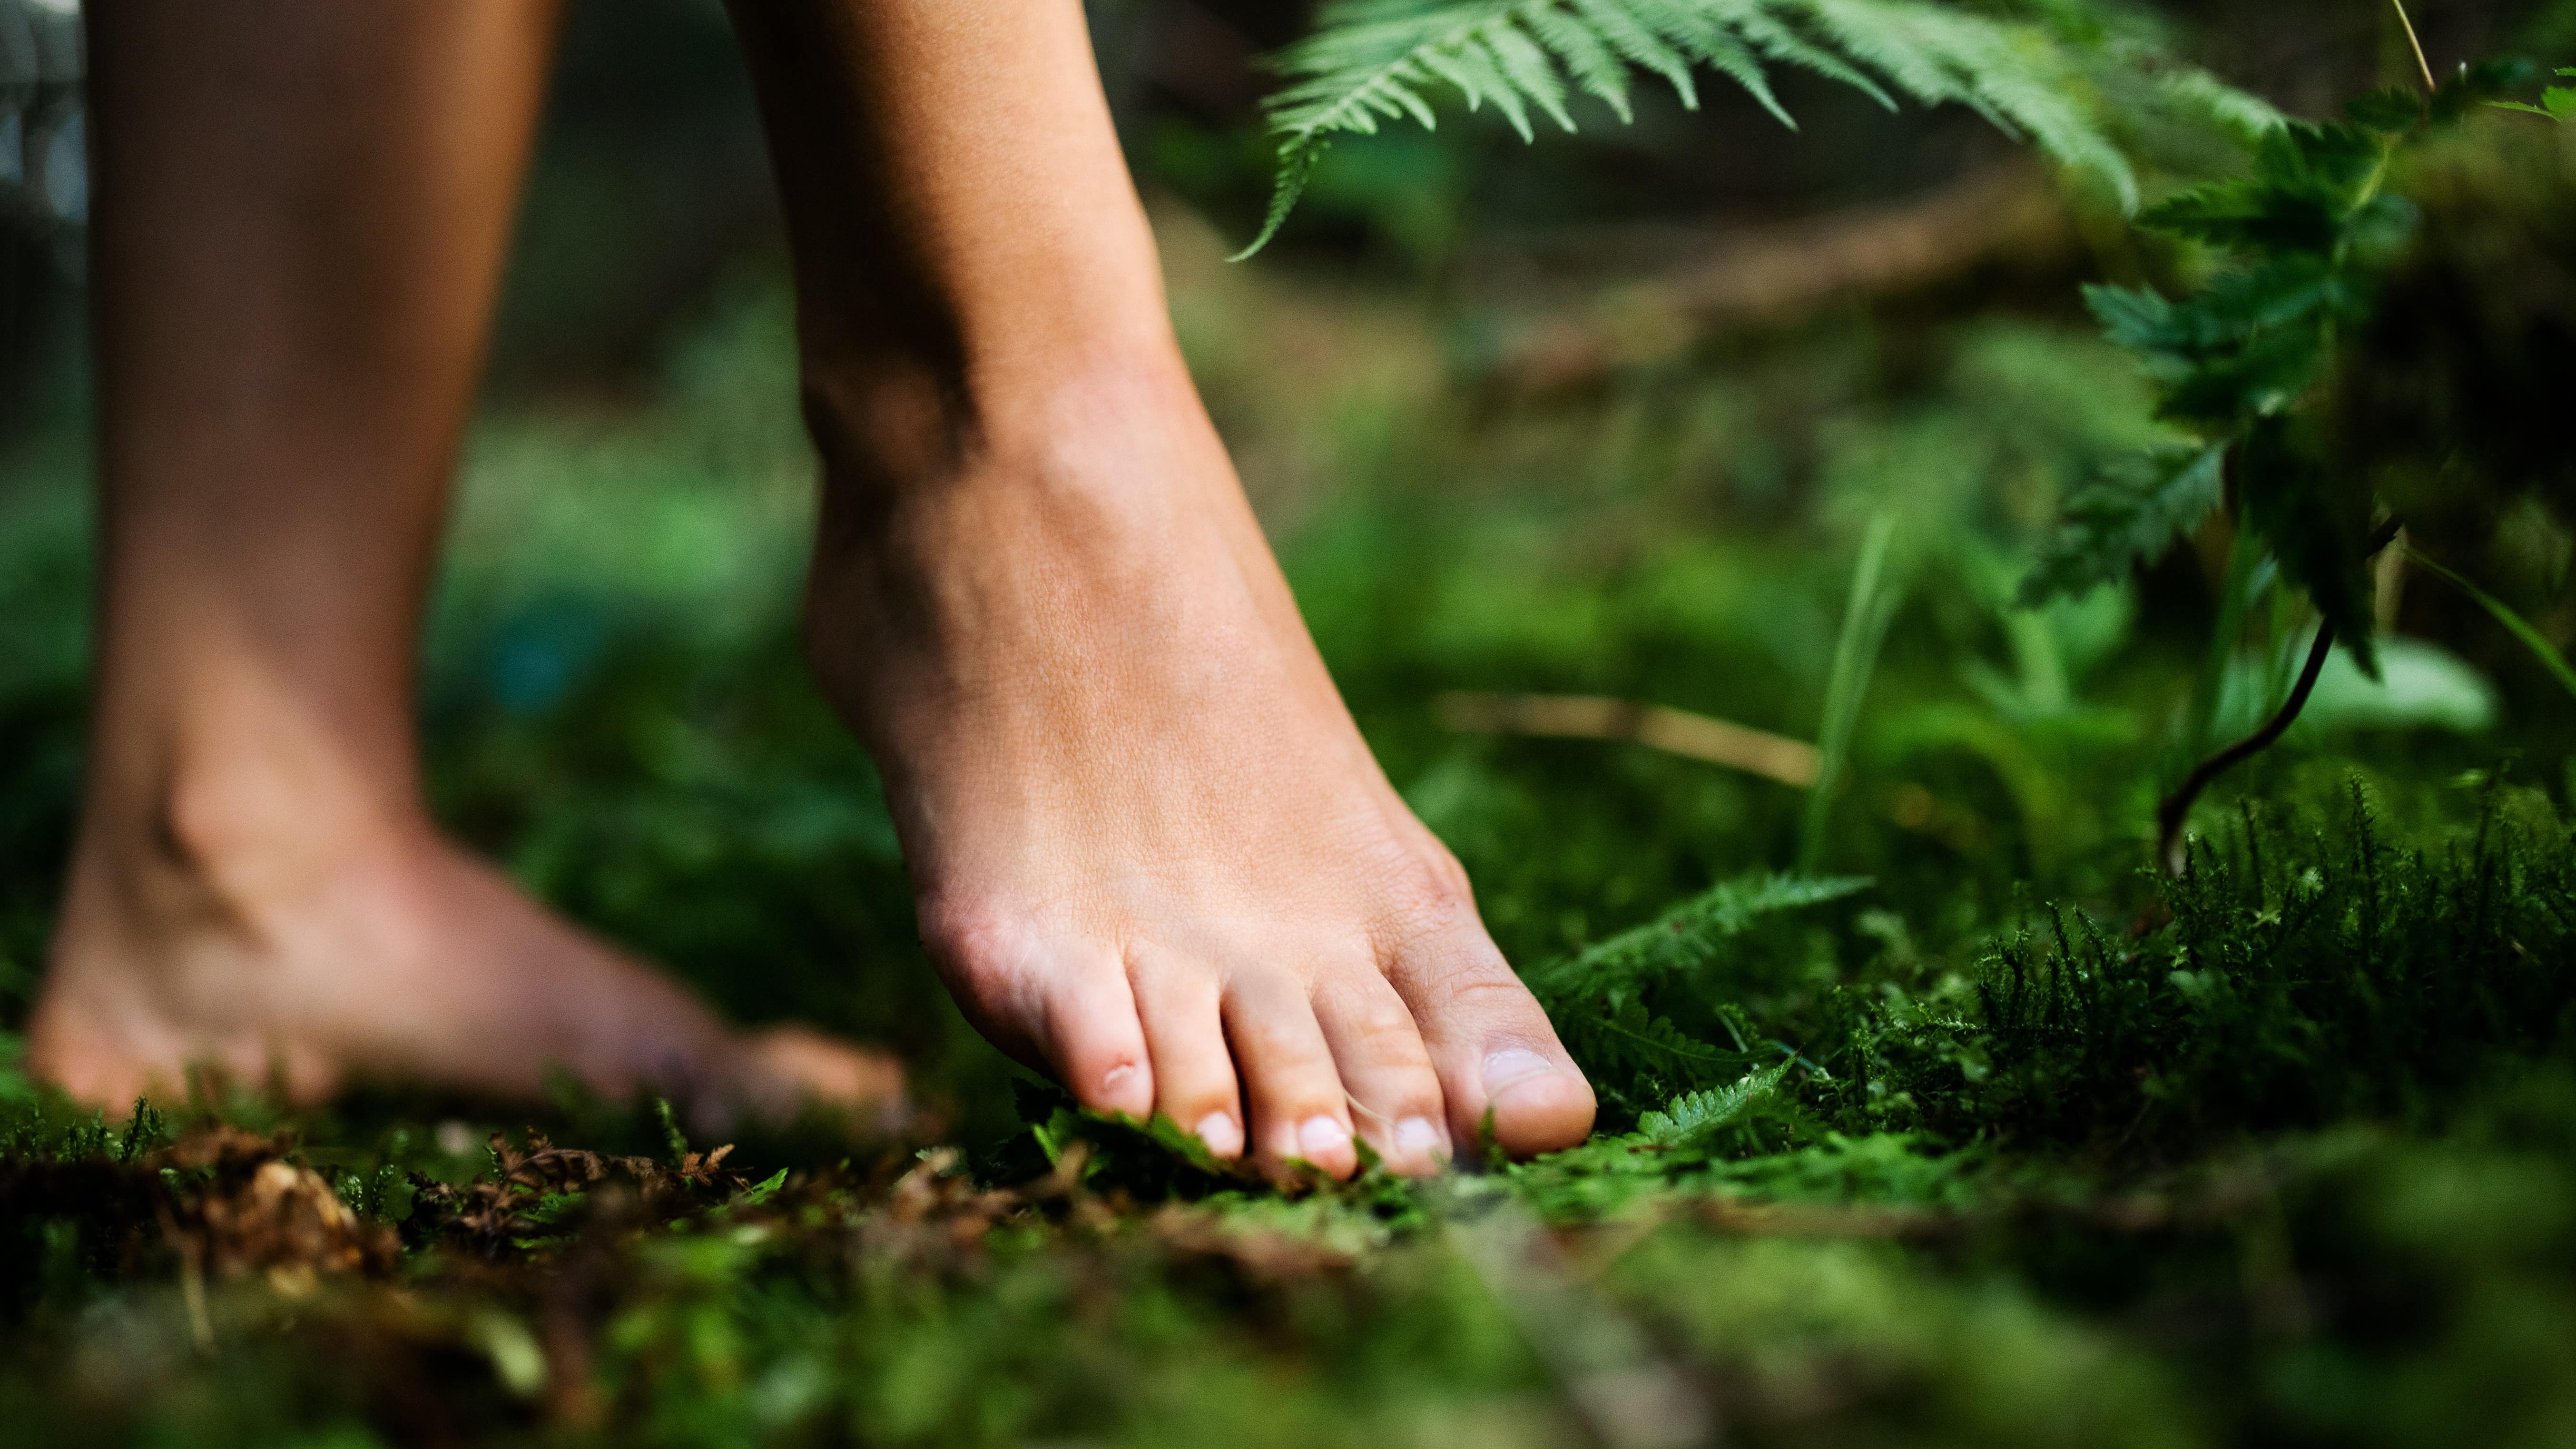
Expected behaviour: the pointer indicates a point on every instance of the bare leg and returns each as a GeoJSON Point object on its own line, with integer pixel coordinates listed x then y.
{"type": "Point", "coordinates": [302, 207]}
{"type": "Point", "coordinates": [1153, 854]}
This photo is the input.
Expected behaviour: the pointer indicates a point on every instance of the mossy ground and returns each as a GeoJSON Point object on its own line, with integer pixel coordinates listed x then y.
{"type": "Point", "coordinates": [1998, 1140]}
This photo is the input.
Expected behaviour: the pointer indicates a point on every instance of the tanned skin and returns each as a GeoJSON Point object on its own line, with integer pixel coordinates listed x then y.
{"type": "Point", "coordinates": [1153, 856]}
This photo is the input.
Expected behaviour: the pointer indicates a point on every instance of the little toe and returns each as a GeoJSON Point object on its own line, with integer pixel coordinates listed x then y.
{"type": "Point", "coordinates": [1491, 1044]}
{"type": "Point", "coordinates": [1088, 1030]}
{"type": "Point", "coordinates": [1299, 1110]}
{"type": "Point", "coordinates": [1185, 1039]}
{"type": "Point", "coordinates": [1395, 1095]}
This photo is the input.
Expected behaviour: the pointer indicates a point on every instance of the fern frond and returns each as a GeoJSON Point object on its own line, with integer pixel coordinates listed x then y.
{"type": "Point", "coordinates": [2131, 516]}
{"type": "Point", "coordinates": [1693, 1119]}
{"type": "Point", "coordinates": [1684, 937]}
{"type": "Point", "coordinates": [1648, 1045]}
{"type": "Point", "coordinates": [1374, 61]}
{"type": "Point", "coordinates": [1601, 998]}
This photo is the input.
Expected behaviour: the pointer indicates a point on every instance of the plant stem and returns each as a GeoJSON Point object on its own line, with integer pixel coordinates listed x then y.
{"type": "Point", "coordinates": [2175, 809]}
{"type": "Point", "coordinates": [2430, 85]}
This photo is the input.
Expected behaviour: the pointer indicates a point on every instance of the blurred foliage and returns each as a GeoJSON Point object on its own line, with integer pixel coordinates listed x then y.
{"type": "Point", "coordinates": [1980, 1134]}
{"type": "Point", "coordinates": [2277, 1168]}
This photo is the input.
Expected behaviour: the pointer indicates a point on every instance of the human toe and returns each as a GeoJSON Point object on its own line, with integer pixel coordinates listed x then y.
{"type": "Point", "coordinates": [1497, 1056]}
{"type": "Point", "coordinates": [1061, 1005]}
{"type": "Point", "coordinates": [1300, 1112]}
{"type": "Point", "coordinates": [1396, 1101]}
{"type": "Point", "coordinates": [1194, 1083]}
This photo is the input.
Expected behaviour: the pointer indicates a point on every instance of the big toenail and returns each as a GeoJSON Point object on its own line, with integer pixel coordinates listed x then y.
{"type": "Point", "coordinates": [1420, 1137]}
{"type": "Point", "coordinates": [1319, 1135]}
{"type": "Point", "coordinates": [1505, 1070]}
{"type": "Point", "coordinates": [1117, 1076]}
{"type": "Point", "coordinates": [1219, 1132]}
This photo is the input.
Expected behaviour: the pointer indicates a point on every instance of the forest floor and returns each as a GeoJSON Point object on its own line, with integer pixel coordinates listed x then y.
{"type": "Point", "coordinates": [1933, 1114]}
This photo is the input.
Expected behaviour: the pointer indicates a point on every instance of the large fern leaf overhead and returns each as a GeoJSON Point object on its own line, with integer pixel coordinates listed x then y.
{"type": "Point", "coordinates": [1375, 61]}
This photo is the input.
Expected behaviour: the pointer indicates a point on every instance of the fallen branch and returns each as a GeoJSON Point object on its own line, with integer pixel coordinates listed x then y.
{"type": "Point", "coordinates": [1674, 731]}
{"type": "Point", "coordinates": [1759, 276]}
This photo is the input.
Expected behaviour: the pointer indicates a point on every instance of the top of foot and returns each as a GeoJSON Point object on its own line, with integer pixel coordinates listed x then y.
{"type": "Point", "coordinates": [1154, 856]}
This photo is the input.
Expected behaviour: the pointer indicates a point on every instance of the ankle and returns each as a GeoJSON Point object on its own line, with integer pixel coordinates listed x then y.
{"type": "Point", "coordinates": [232, 828]}
{"type": "Point", "coordinates": [885, 430]}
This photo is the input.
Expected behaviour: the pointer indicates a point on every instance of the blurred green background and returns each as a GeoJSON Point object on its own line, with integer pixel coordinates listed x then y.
{"type": "Point", "coordinates": [1606, 416]}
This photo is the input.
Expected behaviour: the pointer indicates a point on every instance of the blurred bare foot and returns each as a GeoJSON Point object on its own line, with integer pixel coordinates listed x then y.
{"type": "Point", "coordinates": [1152, 851]}
{"type": "Point", "coordinates": [270, 927]}
{"type": "Point", "coordinates": [301, 210]}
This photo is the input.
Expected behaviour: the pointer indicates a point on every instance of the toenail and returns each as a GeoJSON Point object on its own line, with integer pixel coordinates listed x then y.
{"type": "Point", "coordinates": [1319, 1135]}
{"type": "Point", "coordinates": [1219, 1132]}
{"type": "Point", "coordinates": [1421, 1137]}
{"type": "Point", "coordinates": [1117, 1076]}
{"type": "Point", "coordinates": [1505, 1070]}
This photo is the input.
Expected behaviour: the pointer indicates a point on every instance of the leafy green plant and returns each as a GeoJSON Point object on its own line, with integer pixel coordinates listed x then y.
{"type": "Point", "coordinates": [1371, 62]}
{"type": "Point", "coordinates": [2558, 103]}
{"type": "Point", "coordinates": [2306, 238]}
{"type": "Point", "coordinates": [2242, 366]}
{"type": "Point", "coordinates": [2298, 982]}
{"type": "Point", "coordinates": [1614, 1002]}
{"type": "Point", "coordinates": [1872, 606]}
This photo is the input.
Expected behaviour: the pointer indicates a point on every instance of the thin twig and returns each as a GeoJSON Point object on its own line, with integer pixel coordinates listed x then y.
{"type": "Point", "coordinates": [1675, 731]}
{"type": "Point", "coordinates": [2430, 85]}
{"type": "Point", "coordinates": [2176, 808]}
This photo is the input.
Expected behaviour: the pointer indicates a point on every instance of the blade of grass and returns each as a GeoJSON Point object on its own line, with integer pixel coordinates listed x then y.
{"type": "Point", "coordinates": [2421, 62]}
{"type": "Point", "coordinates": [2236, 599]}
{"type": "Point", "coordinates": [1872, 604]}
{"type": "Point", "coordinates": [2532, 639]}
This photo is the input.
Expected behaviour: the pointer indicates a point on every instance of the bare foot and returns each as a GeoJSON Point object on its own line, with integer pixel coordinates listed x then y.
{"type": "Point", "coordinates": [1152, 853]}
{"type": "Point", "coordinates": [271, 928]}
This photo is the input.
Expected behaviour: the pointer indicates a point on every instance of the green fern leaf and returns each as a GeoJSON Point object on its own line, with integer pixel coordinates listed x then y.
{"type": "Point", "coordinates": [1371, 61]}
{"type": "Point", "coordinates": [1784, 45]}
{"type": "Point", "coordinates": [1527, 66]}
{"type": "Point", "coordinates": [1638, 45]}
{"type": "Point", "coordinates": [1295, 165]}
{"type": "Point", "coordinates": [1721, 50]}
{"type": "Point", "coordinates": [1638, 1037]}
{"type": "Point", "coordinates": [1692, 1120]}
{"type": "Point", "coordinates": [2130, 517]}
{"type": "Point", "coordinates": [1589, 58]}
{"type": "Point", "coordinates": [1599, 998]}
{"type": "Point", "coordinates": [2240, 114]}
{"type": "Point", "coordinates": [1685, 936]}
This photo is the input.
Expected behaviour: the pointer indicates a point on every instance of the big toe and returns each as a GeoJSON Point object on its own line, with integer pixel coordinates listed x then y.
{"type": "Point", "coordinates": [1498, 1057]}
{"type": "Point", "coordinates": [1538, 1103]}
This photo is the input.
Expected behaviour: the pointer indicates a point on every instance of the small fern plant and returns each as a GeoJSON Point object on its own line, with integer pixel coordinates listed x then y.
{"type": "Point", "coordinates": [1372, 62]}
{"type": "Point", "coordinates": [1637, 1010]}
{"type": "Point", "coordinates": [2245, 367]}
{"type": "Point", "coordinates": [2242, 363]}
